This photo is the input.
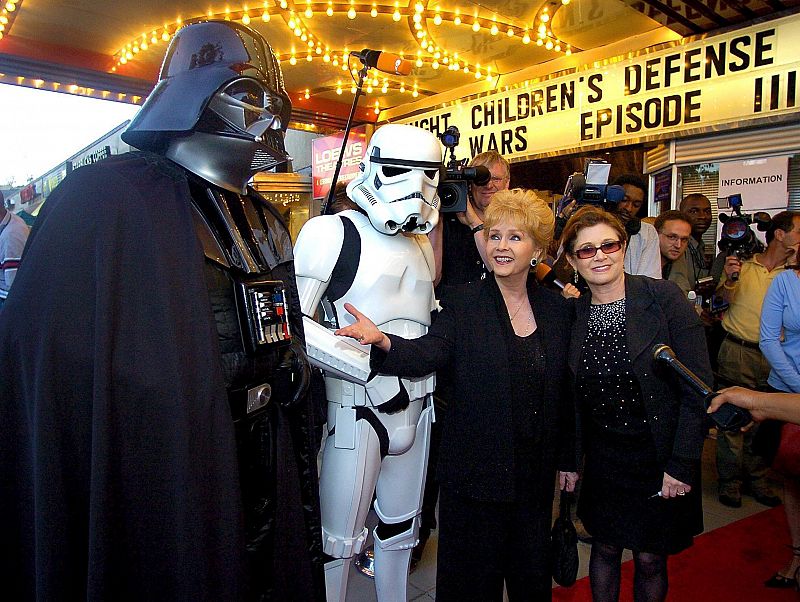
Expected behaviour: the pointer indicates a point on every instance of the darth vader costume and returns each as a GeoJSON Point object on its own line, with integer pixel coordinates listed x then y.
{"type": "Point", "coordinates": [157, 437]}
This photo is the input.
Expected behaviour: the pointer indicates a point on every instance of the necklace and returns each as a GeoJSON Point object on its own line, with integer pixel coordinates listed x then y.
{"type": "Point", "coordinates": [516, 311]}
{"type": "Point", "coordinates": [524, 329]}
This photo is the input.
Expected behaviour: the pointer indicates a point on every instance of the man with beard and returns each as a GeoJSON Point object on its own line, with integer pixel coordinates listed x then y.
{"type": "Point", "coordinates": [157, 442]}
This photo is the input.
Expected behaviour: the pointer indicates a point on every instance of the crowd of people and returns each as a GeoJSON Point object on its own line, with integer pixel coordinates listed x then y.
{"type": "Point", "coordinates": [639, 431]}
{"type": "Point", "coordinates": [164, 496]}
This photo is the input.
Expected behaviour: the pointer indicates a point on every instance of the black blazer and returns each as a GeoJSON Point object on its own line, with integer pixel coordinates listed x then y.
{"type": "Point", "coordinates": [469, 341]}
{"type": "Point", "coordinates": [656, 311]}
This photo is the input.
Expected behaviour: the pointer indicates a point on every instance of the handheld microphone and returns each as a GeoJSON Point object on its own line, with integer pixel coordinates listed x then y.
{"type": "Point", "coordinates": [546, 275]}
{"type": "Point", "coordinates": [384, 61]}
{"type": "Point", "coordinates": [728, 417]}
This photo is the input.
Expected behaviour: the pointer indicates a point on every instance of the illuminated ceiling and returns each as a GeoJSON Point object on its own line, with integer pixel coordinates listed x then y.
{"type": "Point", "coordinates": [113, 49]}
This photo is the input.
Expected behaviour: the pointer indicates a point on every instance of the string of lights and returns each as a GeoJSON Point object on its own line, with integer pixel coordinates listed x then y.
{"type": "Point", "coordinates": [301, 17]}
{"type": "Point", "coordinates": [7, 15]}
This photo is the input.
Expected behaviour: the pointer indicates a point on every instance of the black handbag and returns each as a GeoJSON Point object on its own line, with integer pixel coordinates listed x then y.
{"type": "Point", "coordinates": [564, 544]}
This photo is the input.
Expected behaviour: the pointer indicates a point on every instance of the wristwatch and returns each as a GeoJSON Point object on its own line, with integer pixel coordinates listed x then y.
{"type": "Point", "coordinates": [476, 229]}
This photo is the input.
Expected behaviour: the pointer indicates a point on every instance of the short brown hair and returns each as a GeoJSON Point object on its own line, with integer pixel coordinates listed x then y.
{"type": "Point", "coordinates": [525, 209]}
{"type": "Point", "coordinates": [586, 217]}
{"type": "Point", "coordinates": [669, 216]}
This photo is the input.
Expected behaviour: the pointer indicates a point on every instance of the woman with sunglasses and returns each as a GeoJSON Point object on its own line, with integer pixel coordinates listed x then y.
{"type": "Point", "coordinates": [640, 427]}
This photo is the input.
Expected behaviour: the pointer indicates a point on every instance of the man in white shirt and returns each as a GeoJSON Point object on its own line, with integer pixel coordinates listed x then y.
{"type": "Point", "coordinates": [643, 255]}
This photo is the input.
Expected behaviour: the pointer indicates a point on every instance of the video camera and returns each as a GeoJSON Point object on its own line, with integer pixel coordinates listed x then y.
{"type": "Point", "coordinates": [737, 238]}
{"type": "Point", "coordinates": [454, 188]}
{"type": "Point", "coordinates": [591, 187]}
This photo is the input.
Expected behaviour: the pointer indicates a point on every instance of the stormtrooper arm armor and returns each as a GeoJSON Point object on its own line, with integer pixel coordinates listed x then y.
{"type": "Point", "coordinates": [314, 264]}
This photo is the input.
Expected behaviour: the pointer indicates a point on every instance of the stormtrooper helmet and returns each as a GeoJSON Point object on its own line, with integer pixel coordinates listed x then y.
{"type": "Point", "coordinates": [399, 176]}
{"type": "Point", "coordinates": [220, 108]}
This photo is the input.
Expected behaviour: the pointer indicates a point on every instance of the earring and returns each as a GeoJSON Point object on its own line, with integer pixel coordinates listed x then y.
{"type": "Point", "coordinates": [575, 277]}
{"type": "Point", "coordinates": [534, 261]}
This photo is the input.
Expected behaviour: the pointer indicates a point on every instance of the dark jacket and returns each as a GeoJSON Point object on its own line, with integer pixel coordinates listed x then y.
{"type": "Point", "coordinates": [656, 311]}
{"type": "Point", "coordinates": [119, 477]}
{"type": "Point", "coordinates": [469, 341]}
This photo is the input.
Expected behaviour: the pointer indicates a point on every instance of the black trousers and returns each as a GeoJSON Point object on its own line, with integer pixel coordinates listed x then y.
{"type": "Point", "coordinates": [484, 544]}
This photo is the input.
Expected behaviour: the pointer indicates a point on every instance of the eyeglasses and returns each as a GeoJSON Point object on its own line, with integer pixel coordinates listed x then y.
{"type": "Point", "coordinates": [673, 238]}
{"type": "Point", "coordinates": [496, 180]}
{"type": "Point", "coordinates": [607, 248]}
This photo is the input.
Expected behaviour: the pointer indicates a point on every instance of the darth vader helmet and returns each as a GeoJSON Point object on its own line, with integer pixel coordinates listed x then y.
{"type": "Point", "coordinates": [399, 176]}
{"type": "Point", "coordinates": [220, 108]}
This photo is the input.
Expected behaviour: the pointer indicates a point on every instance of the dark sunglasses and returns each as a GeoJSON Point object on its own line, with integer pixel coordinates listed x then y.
{"type": "Point", "coordinates": [607, 248]}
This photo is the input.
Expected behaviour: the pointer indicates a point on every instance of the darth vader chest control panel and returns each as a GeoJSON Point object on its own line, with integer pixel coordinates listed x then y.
{"type": "Point", "coordinates": [263, 313]}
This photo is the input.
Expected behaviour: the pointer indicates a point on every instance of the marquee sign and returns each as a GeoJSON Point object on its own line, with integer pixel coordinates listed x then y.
{"type": "Point", "coordinates": [694, 87]}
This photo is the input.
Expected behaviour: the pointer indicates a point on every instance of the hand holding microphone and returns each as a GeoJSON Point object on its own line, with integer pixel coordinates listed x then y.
{"type": "Point", "coordinates": [728, 417]}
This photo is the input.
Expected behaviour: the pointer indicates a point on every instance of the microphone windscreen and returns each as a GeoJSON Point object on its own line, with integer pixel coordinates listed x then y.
{"type": "Point", "coordinates": [393, 63]}
{"type": "Point", "coordinates": [615, 193]}
{"type": "Point", "coordinates": [544, 273]}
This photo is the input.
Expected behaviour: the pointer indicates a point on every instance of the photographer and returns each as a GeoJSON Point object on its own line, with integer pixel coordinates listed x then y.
{"type": "Point", "coordinates": [743, 285]}
{"type": "Point", "coordinates": [458, 247]}
{"type": "Point", "coordinates": [642, 256]}
{"type": "Point", "coordinates": [456, 240]}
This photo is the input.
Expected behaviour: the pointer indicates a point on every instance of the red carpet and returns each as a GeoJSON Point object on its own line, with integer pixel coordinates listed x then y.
{"type": "Point", "coordinates": [727, 565]}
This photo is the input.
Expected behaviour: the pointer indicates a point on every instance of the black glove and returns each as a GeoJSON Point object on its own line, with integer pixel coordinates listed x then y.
{"type": "Point", "coordinates": [295, 361]}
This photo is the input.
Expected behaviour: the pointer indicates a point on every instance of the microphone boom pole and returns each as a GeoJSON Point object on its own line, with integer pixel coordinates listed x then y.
{"type": "Point", "coordinates": [331, 193]}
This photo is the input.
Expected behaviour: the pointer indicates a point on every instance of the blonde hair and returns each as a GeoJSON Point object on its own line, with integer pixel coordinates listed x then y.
{"type": "Point", "coordinates": [524, 209]}
{"type": "Point", "coordinates": [489, 158]}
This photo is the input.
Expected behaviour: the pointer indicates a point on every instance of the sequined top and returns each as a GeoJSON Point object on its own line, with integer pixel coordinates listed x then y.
{"type": "Point", "coordinates": [610, 396]}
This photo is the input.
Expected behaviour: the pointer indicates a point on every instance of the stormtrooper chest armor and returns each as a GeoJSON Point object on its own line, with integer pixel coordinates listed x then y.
{"type": "Point", "coordinates": [391, 281]}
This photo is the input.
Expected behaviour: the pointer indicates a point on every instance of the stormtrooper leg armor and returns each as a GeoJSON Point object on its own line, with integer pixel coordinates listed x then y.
{"type": "Point", "coordinates": [389, 456]}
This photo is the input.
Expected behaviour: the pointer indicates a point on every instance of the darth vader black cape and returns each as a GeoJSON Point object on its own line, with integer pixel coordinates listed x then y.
{"type": "Point", "coordinates": [118, 470]}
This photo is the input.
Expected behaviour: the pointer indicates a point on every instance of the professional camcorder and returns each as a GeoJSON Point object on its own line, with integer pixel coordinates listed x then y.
{"type": "Point", "coordinates": [591, 187]}
{"type": "Point", "coordinates": [454, 187]}
{"type": "Point", "coordinates": [737, 238]}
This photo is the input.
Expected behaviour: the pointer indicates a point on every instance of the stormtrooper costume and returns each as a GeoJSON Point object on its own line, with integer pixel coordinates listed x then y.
{"type": "Point", "coordinates": [159, 445]}
{"type": "Point", "coordinates": [381, 262]}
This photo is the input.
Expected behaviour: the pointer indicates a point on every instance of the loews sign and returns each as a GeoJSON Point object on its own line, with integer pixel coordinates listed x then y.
{"type": "Point", "coordinates": [742, 75]}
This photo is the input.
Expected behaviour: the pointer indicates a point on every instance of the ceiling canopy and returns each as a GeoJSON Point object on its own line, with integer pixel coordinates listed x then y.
{"type": "Point", "coordinates": [114, 49]}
